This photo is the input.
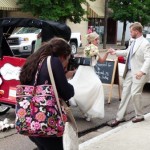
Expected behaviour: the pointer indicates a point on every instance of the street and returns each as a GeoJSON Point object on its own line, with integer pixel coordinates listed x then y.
{"type": "Point", "coordinates": [10, 140]}
{"type": "Point", "coordinates": [99, 26]}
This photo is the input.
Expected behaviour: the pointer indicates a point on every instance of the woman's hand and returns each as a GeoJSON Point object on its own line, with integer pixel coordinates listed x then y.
{"type": "Point", "coordinates": [111, 51]}
{"type": "Point", "coordinates": [107, 52]}
{"type": "Point", "coordinates": [70, 74]}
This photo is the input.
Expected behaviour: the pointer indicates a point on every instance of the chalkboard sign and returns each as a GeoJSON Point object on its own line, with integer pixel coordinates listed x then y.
{"type": "Point", "coordinates": [105, 71]}
{"type": "Point", "coordinates": [108, 73]}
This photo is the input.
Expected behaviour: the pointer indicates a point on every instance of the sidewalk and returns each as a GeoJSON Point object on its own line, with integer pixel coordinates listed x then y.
{"type": "Point", "coordinates": [130, 136]}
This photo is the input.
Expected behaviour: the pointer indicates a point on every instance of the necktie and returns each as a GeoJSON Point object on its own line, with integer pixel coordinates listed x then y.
{"type": "Point", "coordinates": [130, 54]}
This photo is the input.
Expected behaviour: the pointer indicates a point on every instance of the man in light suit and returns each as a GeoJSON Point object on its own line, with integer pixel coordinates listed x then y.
{"type": "Point", "coordinates": [136, 73]}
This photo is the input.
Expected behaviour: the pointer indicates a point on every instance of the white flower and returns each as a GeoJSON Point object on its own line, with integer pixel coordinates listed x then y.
{"type": "Point", "coordinates": [91, 50]}
{"type": "Point", "coordinates": [24, 104]}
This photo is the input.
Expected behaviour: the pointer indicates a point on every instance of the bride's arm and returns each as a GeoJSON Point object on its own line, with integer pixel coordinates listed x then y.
{"type": "Point", "coordinates": [101, 60]}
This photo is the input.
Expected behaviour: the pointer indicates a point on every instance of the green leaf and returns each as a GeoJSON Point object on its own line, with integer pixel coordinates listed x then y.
{"type": "Point", "coordinates": [57, 10]}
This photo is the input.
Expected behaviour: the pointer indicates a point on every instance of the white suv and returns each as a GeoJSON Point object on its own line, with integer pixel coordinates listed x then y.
{"type": "Point", "coordinates": [75, 41]}
{"type": "Point", "coordinates": [22, 42]}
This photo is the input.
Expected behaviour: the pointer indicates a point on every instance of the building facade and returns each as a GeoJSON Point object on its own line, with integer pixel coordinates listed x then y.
{"type": "Point", "coordinates": [9, 8]}
{"type": "Point", "coordinates": [95, 20]}
{"type": "Point", "coordinates": [96, 13]}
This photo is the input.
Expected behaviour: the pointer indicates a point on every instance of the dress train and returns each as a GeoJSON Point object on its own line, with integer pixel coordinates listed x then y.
{"type": "Point", "coordinates": [89, 93]}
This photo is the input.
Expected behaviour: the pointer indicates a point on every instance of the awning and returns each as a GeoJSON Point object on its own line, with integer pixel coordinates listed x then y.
{"type": "Point", "coordinates": [96, 9]}
{"type": "Point", "coordinates": [92, 13]}
{"type": "Point", "coordinates": [8, 5]}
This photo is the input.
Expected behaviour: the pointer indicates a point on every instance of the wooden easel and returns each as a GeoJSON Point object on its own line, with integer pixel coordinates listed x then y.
{"type": "Point", "coordinates": [114, 80]}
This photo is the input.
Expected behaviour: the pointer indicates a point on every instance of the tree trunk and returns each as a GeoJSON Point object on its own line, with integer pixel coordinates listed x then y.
{"type": "Point", "coordinates": [124, 33]}
{"type": "Point", "coordinates": [105, 24]}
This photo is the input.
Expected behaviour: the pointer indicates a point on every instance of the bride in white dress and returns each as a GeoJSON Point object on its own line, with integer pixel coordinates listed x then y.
{"type": "Point", "coordinates": [89, 93]}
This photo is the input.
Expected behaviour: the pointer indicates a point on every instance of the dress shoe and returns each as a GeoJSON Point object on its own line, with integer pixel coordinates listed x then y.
{"type": "Point", "coordinates": [88, 119]}
{"type": "Point", "coordinates": [135, 120]}
{"type": "Point", "coordinates": [116, 123]}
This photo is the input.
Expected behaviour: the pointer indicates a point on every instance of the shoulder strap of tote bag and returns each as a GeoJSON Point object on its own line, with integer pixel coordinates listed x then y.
{"type": "Point", "coordinates": [37, 72]}
{"type": "Point", "coordinates": [53, 83]}
{"type": "Point", "coordinates": [69, 113]}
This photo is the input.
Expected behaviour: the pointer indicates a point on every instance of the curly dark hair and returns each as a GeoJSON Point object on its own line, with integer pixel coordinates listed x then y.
{"type": "Point", "coordinates": [56, 47]}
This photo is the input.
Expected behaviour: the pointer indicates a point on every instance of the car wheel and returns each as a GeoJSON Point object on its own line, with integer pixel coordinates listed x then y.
{"type": "Point", "coordinates": [73, 47]}
{"type": "Point", "coordinates": [4, 109]}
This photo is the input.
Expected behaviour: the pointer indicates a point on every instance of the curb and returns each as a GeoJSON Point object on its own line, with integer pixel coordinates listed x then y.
{"type": "Point", "coordinates": [102, 136]}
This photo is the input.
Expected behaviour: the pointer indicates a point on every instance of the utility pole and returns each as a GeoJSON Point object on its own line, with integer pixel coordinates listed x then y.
{"type": "Point", "coordinates": [105, 24]}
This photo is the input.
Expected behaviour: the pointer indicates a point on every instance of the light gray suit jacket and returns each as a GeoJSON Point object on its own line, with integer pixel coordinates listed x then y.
{"type": "Point", "coordinates": [140, 60]}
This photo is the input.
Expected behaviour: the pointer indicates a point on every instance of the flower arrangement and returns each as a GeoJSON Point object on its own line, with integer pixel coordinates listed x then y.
{"type": "Point", "coordinates": [91, 50]}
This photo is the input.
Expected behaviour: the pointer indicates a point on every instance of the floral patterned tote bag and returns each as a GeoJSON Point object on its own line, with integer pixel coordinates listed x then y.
{"type": "Point", "coordinates": [37, 111]}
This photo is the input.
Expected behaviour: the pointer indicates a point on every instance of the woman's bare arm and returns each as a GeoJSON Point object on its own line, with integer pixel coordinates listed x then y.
{"type": "Point", "coordinates": [103, 59]}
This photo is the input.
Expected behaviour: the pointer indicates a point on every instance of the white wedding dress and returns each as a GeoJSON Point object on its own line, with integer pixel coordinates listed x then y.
{"type": "Point", "coordinates": [89, 93]}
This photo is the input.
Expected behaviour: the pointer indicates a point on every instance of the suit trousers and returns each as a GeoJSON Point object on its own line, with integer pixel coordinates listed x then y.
{"type": "Point", "coordinates": [131, 91]}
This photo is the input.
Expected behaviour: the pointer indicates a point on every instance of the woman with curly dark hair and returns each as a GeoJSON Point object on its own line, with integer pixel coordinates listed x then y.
{"type": "Point", "coordinates": [60, 51]}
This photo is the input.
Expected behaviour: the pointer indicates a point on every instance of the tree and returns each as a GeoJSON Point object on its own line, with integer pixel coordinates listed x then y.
{"type": "Point", "coordinates": [105, 24]}
{"type": "Point", "coordinates": [130, 10]}
{"type": "Point", "coordinates": [57, 10]}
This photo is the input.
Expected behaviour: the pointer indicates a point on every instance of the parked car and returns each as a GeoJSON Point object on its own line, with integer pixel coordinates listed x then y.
{"type": "Point", "coordinates": [75, 42]}
{"type": "Point", "coordinates": [121, 59]}
{"type": "Point", "coordinates": [148, 38]}
{"type": "Point", "coordinates": [22, 42]}
{"type": "Point", "coordinates": [146, 32]}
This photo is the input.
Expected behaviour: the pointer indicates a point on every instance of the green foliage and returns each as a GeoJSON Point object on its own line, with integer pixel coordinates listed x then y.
{"type": "Point", "coordinates": [131, 10]}
{"type": "Point", "coordinates": [57, 10]}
